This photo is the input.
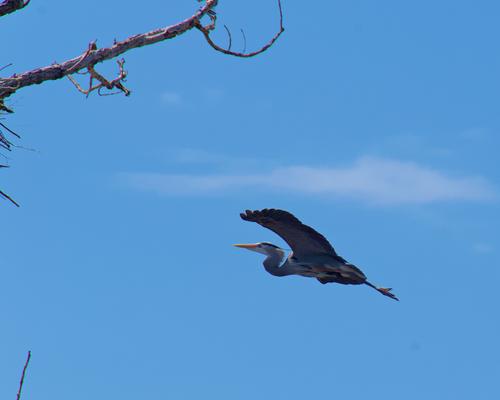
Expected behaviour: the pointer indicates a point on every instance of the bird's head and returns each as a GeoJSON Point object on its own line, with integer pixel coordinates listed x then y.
{"type": "Point", "coordinates": [262, 248]}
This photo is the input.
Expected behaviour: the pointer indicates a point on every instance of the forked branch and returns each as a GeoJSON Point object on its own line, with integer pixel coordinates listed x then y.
{"type": "Point", "coordinates": [116, 83]}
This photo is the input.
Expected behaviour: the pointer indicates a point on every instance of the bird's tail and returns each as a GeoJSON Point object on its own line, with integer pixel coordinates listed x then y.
{"type": "Point", "coordinates": [385, 291]}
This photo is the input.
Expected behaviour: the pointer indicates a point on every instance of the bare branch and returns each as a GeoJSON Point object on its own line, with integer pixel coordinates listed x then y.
{"type": "Point", "coordinates": [210, 27]}
{"type": "Point", "coordinates": [22, 376]}
{"type": "Point", "coordinates": [9, 6]}
{"type": "Point", "coordinates": [85, 63]}
{"type": "Point", "coordinates": [104, 83]}
{"type": "Point", "coordinates": [93, 56]}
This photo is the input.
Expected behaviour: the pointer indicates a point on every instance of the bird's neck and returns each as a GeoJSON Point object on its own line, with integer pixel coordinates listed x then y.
{"type": "Point", "coordinates": [273, 262]}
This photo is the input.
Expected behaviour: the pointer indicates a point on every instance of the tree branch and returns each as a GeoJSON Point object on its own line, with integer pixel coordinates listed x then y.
{"type": "Point", "coordinates": [208, 28]}
{"type": "Point", "coordinates": [22, 376]}
{"type": "Point", "coordinates": [86, 62]}
{"type": "Point", "coordinates": [9, 6]}
{"type": "Point", "coordinates": [93, 56]}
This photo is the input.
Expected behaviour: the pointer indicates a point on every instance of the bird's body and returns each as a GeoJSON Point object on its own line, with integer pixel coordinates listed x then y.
{"type": "Point", "coordinates": [312, 255]}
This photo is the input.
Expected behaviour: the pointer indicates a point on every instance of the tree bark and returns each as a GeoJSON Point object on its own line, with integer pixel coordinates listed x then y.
{"type": "Point", "coordinates": [10, 6]}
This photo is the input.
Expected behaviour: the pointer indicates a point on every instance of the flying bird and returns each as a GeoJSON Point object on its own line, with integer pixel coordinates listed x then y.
{"type": "Point", "coordinates": [312, 255]}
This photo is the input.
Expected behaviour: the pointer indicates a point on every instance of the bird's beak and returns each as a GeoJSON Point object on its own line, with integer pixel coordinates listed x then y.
{"type": "Point", "coordinates": [246, 246]}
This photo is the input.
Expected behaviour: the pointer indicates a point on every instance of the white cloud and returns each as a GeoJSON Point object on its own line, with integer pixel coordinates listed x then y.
{"type": "Point", "coordinates": [371, 180]}
{"type": "Point", "coordinates": [204, 97]}
{"type": "Point", "coordinates": [171, 98]}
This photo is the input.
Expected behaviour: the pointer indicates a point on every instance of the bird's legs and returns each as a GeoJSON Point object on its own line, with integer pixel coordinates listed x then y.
{"type": "Point", "coordinates": [385, 291]}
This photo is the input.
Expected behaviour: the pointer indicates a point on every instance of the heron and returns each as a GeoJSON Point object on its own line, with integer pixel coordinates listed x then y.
{"type": "Point", "coordinates": [311, 254]}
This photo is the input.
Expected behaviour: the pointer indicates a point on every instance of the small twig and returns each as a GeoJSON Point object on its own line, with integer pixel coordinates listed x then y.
{"type": "Point", "coordinates": [5, 66]}
{"type": "Point", "coordinates": [208, 28]}
{"type": "Point", "coordinates": [4, 142]}
{"type": "Point", "coordinates": [10, 130]}
{"type": "Point", "coordinates": [22, 376]}
{"type": "Point", "coordinates": [244, 41]}
{"type": "Point", "coordinates": [5, 195]}
{"type": "Point", "coordinates": [77, 85]}
{"type": "Point", "coordinates": [104, 83]}
{"type": "Point", "coordinates": [229, 37]}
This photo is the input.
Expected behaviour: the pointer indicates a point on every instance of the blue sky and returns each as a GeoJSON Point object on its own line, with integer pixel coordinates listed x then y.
{"type": "Point", "coordinates": [375, 123]}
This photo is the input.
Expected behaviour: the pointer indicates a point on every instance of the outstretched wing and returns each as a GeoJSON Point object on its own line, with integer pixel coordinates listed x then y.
{"type": "Point", "coordinates": [302, 239]}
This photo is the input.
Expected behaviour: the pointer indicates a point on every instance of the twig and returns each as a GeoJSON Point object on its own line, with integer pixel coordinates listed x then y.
{"type": "Point", "coordinates": [22, 376]}
{"type": "Point", "coordinates": [229, 37]}
{"type": "Point", "coordinates": [210, 27]}
{"type": "Point", "coordinates": [104, 83]}
{"type": "Point", "coordinates": [4, 142]}
{"type": "Point", "coordinates": [10, 130]}
{"type": "Point", "coordinates": [5, 66]}
{"type": "Point", "coordinates": [6, 196]}
{"type": "Point", "coordinates": [244, 41]}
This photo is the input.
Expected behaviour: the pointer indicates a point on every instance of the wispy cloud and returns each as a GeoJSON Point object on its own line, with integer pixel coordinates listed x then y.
{"type": "Point", "coordinates": [171, 98]}
{"type": "Point", "coordinates": [202, 98]}
{"type": "Point", "coordinates": [371, 180]}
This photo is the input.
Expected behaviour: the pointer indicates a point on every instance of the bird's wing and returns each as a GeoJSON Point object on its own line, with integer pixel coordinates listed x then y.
{"type": "Point", "coordinates": [302, 239]}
